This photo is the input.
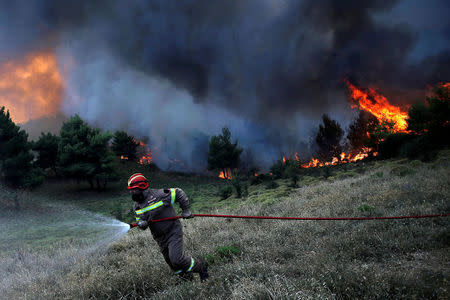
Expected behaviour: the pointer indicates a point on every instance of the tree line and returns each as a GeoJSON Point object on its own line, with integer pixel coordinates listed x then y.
{"type": "Point", "coordinates": [79, 152]}
{"type": "Point", "coordinates": [84, 153]}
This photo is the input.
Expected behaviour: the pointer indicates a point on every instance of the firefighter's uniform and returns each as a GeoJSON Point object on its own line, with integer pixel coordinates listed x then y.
{"type": "Point", "coordinates": [158, 204]}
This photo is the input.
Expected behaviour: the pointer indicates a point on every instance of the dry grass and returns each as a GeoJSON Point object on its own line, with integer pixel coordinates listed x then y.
{"type": "Point", "coordinates": [290, 259]}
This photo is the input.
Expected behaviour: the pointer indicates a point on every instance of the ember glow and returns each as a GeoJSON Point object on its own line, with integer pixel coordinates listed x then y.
{"type": "Point", "coordinates": [32, 87]}
{"type": "Point", "coordinates": [226, 174]}
{"type": "Point", "coordinates": [371, 101]}
{"type": "Point", "coordinates": [343, 158]}
{"type": "Point", "coordinates": [144, 154]}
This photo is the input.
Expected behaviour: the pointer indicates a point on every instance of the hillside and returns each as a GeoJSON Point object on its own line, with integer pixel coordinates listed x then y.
{"type": "Point", "coordinates": [288, 259]}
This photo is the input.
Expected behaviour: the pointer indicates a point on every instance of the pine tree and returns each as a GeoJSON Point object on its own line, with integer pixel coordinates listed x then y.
{"type": "Point", "coordinates": [223, 154]}
{"type": "Point", "coordinates": [84, 154]}
{"type": "Point", "coordinates": [329, 138]}
{"type": "Point", "coordinates": [16, 159]}
{"type": "Point", "coordinates": [124, 145]}
{"type": "Point", "coordinates": [361, 130]}
{"type": "Point", "coordinates": [47, 148]}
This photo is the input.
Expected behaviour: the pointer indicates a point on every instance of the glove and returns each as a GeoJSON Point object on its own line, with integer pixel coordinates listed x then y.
{"type": "Point", "coordinates": [186, 214]}
{"type": "Point", "coordinates": [142, 224]}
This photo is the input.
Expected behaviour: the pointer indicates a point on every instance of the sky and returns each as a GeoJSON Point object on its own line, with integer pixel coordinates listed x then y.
{"type": "Point", "coordinates": [178, 71]}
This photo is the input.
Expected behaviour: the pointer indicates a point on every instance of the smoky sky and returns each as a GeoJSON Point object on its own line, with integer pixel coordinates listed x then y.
{"type": "Point", "coordinates": [178, 71]}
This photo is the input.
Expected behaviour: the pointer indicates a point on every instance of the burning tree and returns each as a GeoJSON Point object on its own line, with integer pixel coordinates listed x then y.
{"type": "Point", "coordinates": [329, 137]}
{"type": "Point", "coordinates": [124, 145]}
{"type": "Point", "coordinates": [360, 132]}
{"type": "Point", "coordinates": [16, 160]}
{"type": "Point", "coordinates": [223, 155]}
{"type": "Point", "coordinates": [84, 154]}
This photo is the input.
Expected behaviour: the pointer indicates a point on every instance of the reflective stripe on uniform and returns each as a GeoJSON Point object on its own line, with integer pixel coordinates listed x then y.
{"type": "Point", "coordinates": [188, 270]}
{"type": "Point", "coordinates": [172, 196]}
{"type": "Point", "coordinates": [192, 265]}
{"type": "Point", "coordinates": [137, 219]}
{"type": "Point", "coordinates": [151, 207]}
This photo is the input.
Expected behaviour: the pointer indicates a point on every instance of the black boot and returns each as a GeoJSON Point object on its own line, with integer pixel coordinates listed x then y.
{"type": "Point", "coordinates": [204, 272]}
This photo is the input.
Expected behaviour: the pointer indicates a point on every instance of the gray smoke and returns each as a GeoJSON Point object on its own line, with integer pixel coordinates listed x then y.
{"type": "Point", "coordinates": [178, 71]}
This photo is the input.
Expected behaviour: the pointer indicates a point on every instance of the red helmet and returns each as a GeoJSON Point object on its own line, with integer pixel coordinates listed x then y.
{"type": "Point", "coordinates": [137, 181]}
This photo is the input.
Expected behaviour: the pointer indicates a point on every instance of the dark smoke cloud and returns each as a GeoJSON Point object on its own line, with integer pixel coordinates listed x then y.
{"type": "Point", "coordinates": [178, 71]}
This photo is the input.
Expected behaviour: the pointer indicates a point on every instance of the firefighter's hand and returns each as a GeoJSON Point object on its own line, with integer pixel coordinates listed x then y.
{"type": "Point", "coordinates": [186, 214]}
{"type": "Point", "coordinates": [142, 224]}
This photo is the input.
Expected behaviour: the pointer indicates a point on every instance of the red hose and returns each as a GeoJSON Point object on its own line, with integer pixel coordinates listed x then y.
{"type": "Point", "coordinates": [307, 219]}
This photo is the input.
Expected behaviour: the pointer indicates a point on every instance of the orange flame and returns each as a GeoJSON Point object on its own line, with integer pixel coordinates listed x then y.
{"type": "Point", "coordinates": [145, 153]}
{"type": "Point", "coordinates": [226, 174]}
{"type": "Point", "coordinates": [343, 158]}
{"type": "Point", "coordinates": [378, 106]}
{"type": "Point", "coordinates": [31, 88]}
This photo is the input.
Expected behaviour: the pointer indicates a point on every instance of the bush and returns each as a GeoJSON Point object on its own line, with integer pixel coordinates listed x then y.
{"type": "Point", "coordinates": [391, 146]}
{"type": "Point", "coordinates": [223, 254]}
{"type": "Point", "coordinates": [419, 148]}
{"type": "Point", "coordinates": [272, 185]}
{"type": "Point", "coordinates": [365, 207]}
{"type": "Point", "coordinates": [277, 169]}
{"type": "Point", "coordinates": [237, 184]}
{"type": "Point", "coordinates": [402, 171]}
{"type": "Point", "coordinates": [245, 190]}
{"type": "Point", "coordinates": [225, 192]}
{"type": "Point", "coordinates": [326, 172]}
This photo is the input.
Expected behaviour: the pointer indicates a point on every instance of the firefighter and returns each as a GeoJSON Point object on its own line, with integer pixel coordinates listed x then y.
{"type": "Point", "coordinates": [153, 204]}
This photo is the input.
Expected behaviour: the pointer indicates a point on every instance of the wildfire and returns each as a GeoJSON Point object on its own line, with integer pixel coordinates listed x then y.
{"type": "Point", "coordinates": [371, 101]}
{"type": "Point", "coordinates": [226, 174]}
{"type": "Point", "coordinates": [145, 154]}
{"type": "Point", "coordinates": [32, 87]}
{"type": "Point", "coordinates": [343, 158]}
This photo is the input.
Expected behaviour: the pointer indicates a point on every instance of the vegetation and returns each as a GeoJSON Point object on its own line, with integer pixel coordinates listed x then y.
{"type": "Point", "coordinates": [360, 132]}
{"type": "Point", "coordinates": [429, 126]}
{"type": "Point", "coordinates": [280, 259]}
{"type": "Point", "coordinates": [84, 154]}
{"type": "Point", "coordinates": [223, 155]}
{"type": "Point", "coordinates": [124, 145]}
{"type": "Point", "coordinates": [16, 160]}
{"type": "Point", "coordinates": [328, 138]}
{"type": "Point", "coordinates": [47, 148]}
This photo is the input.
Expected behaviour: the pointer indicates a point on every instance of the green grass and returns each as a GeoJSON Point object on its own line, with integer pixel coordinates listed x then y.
{"type": "Point", "coordinates": [264, 259]}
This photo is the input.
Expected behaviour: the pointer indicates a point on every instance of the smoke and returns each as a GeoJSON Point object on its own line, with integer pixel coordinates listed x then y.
{"type": "Point", "coordinates": [178, 71]}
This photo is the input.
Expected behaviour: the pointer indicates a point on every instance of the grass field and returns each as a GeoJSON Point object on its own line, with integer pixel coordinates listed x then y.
{"type": "Point", "coordinates": [277, 259]}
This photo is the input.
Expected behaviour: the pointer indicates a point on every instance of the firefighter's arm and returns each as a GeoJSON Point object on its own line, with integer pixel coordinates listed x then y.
{"type": "Point", "coordinates": [183, 201]}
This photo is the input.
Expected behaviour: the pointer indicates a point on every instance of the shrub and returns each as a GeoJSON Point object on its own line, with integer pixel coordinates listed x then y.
{"type": "Point", "coordinates": [365, 207]}
{"type": "Point", "coordinates": [254, 180]}
{"type": "Point", "coordinates": [391, 146]}
{"type": "Point", "coordinates": [402, 171]}
{"type": "Point", "coordinates": [225, 192]}
{"type": "Point", "coordinates": [237, 184]}
{"type": "Point", "coordinates": [272, 184]}
{"type": "Point", "coordinates": [277, 169]}
{"type": "Point", "coordinates": [245, 190]}
{"type": "Point", "coordinates": [326, 172]}
{"type": "Point", "coordinates": [419, 148]}
{"type": "Point", "coordinates": [223, 254]}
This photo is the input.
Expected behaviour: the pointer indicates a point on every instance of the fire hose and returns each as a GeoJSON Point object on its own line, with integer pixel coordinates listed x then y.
{"type": "Point", "coordinates": [302, 218]}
